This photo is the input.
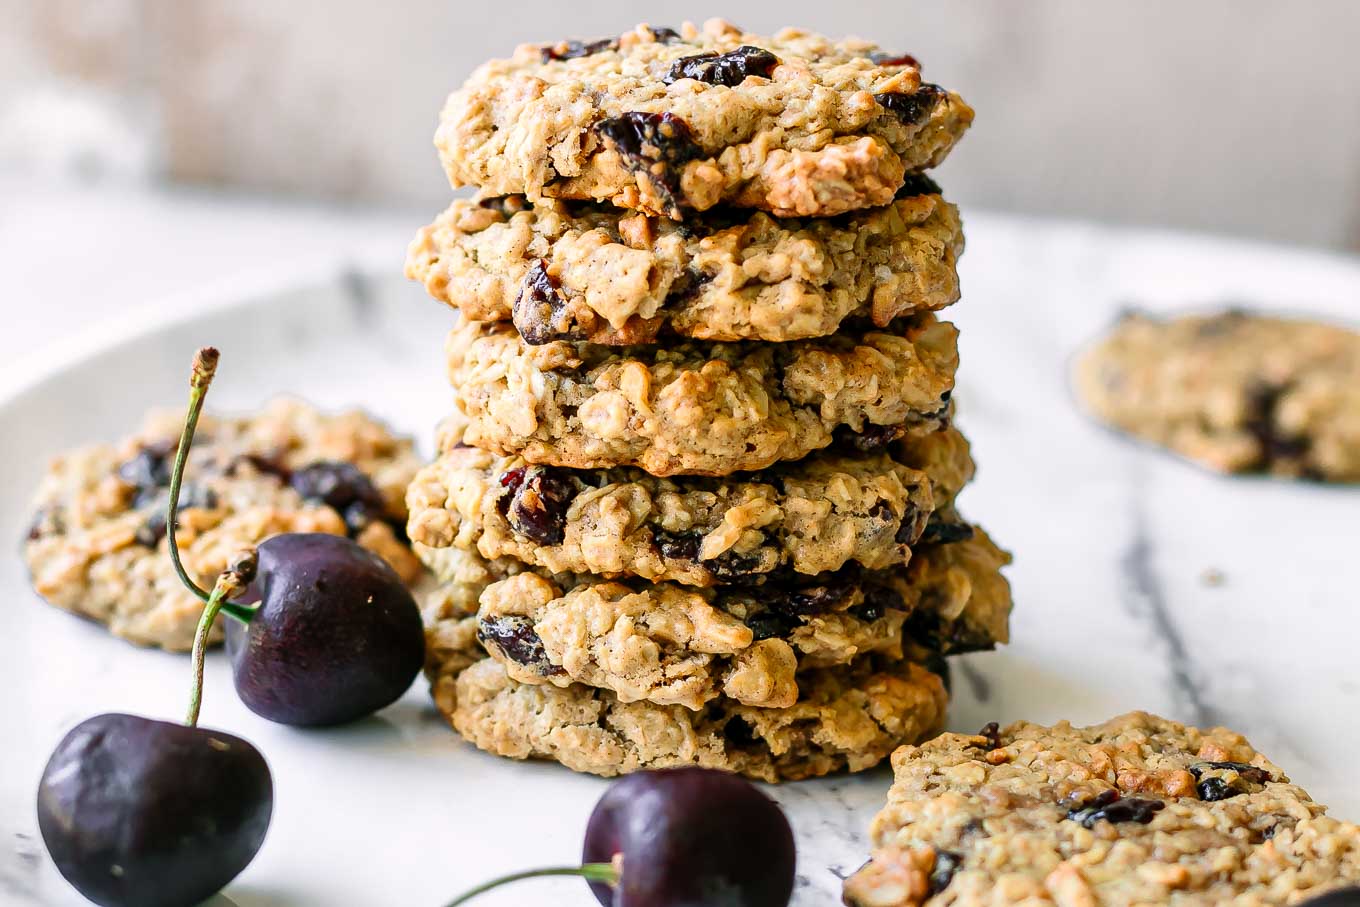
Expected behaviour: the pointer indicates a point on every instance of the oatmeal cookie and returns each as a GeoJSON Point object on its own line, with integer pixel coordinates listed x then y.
{"type": "Point", "coordinates": [97, 544]}
{"type": "Point", "coordinates": [1234, 391]}
{"type": "Point", "coordinates": [813, 515]}
{"type": "Point", "coordinates": [849, 717]}
{"type": "Point", "coordinates": [676, 122]}
{"type": "Point", "coordinates": [1138, 810]}
{"type": "Point", "coordinates": [583, 271]}
{"type": "Point", "coordinates": [673, 645]}
{"type": "Point", "coordinates": [698, 407]}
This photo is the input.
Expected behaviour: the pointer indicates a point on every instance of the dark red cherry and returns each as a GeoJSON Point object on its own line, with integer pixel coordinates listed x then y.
{"type": "Point", "coordinates": [691, 837]}
{"type": "Point", "coordinates": [1337, 897]}
{"type": "Point", "coordinates": [143, 813]}
{"type": "Point", "coordinates": [684, 837]}
{"type": "Point", "coordinates": [336, 635]}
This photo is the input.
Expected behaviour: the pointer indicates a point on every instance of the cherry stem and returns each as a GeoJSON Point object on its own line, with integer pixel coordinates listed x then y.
{"type": "Point", "coordinates": [233, 581]}
{"type": "Point", "coordinates": [593, 872]}
{"type": "Point", "coordinates": [205, 366]}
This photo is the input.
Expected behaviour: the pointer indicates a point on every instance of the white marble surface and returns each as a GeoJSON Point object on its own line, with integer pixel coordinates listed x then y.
{"type": "Point", "coordinates": [1112, 544]}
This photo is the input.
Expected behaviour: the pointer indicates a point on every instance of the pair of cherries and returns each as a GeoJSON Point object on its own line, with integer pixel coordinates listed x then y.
{"type": "Point", "coordinates": [136, 811]}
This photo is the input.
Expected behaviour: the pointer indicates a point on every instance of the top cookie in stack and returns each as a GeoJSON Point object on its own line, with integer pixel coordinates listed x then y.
{"type": "Point", "coordinates": [696, 504]}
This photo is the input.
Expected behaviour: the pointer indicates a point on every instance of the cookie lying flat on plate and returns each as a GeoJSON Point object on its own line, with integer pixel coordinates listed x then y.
{"type": "Point", "coordinates": [676, 122]}
{"type": "Point", "coordinates": [675, 645]}
{"type": "Point", "coordinates": [97, 543]}
{"type": "Point", "coordinates": [698, 407]}
{"type": "Point", "coordinates": [582, 271]}
{"type": "Point", "coordinates": [847, 717]}
{"type": "Point", "coordinates": [1139, 810]}
{"type": "Point", "coordinates": [812, 515]}
{"type": "Point", "coordinates": [1234, 391]}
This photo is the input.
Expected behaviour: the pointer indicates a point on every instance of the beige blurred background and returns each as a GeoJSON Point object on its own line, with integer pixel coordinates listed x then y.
{"type": "Point", "coordinates": [1236, 117]}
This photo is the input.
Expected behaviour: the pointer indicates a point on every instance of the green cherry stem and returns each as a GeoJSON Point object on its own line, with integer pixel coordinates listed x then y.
{"type": "Point", "coordinates": [233, 581]}
{"type": "Point", "coordinates": [239, 573]}
{"type": "Point", "coordinates": [593, 872]}
{"type": "Point", "coordinates": [205, 366]}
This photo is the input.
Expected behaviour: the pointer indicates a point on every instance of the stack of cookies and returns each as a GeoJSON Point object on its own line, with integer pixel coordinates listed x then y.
{"type": "Point", "coordinates": [696, 503]}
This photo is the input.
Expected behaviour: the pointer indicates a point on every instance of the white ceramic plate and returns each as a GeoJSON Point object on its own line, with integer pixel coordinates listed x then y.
{"type": "Point", "coordinates": [1112, 540]}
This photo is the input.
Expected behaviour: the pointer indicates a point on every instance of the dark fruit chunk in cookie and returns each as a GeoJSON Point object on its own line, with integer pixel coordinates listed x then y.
{"type": "Point", "coordinates": [1263, 402]}
{"type": "Point", "coordinates": [654, 145]}
{"type": "Point", "coordinates": [728, 567]}
{"type": "Point", "coordinates": [951, 637]}
{"type": "Point", "coordinates": [915, 108]}
{"type": "Point", "coordinates": [1214, 788]}
{"type": "Point", "coordinates": [729, 69]}
{"type": "Point", "coordinates": [1252, 773]}
{"type": "Point", "coordinates": [810, 600]}
{"type": "Point", "coordinates": [152, 531]}
{"type": "Point", "coordinates": [942, 532]}
{"type": "Point", "coordinates": [914, 184]}
{"type": "Point", "coordinates": [149, 469]}
{"type": "Point", "coordinates": [946, 864]}
{"type": "Point", "coordinates": [536, 502]}
{"type": "Point", "coordinates": [665, 35]}
{"type": "Point", "coordinates": [1111, 807]}
{"type": "Point", "coordinates": [514, 635]}
{"type": "Point", "coordinates": [883, 58]}
{"type": "Point", "coordinates": [771, 625]}
{"type": "Point", "coordinates": [342, 487]}
{"type": "Point", "coordinates": [877, 602]}
{"type": "Point", "coordinates": [872, 439]}
{"type": "Point", "coordinates": [570, 50]}
{"type": "Point", "coordinates": [992, 731]}
{"type": "Point", "coordinates": [540, 311]}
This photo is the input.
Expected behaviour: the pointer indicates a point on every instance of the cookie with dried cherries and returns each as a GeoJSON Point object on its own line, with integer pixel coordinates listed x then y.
{"type": "Point", "coordinates": [1137, 810]}
{"type": "Point", "coordinates": [805, 517]}
{"type": "Point", "coordinates": [676, 645]}
{"type": "Point", "coordinates": [699, 407]}
{"type": "Point", "coordinates": [585, 271]}
{"type": "Point", "coordinates": [675, 122]}
{"type": "Point", "coordinates": [97, 545]}
{"type": "Point", "coordinates": [1235, 391]}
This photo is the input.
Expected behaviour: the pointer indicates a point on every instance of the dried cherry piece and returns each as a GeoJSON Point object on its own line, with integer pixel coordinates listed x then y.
{"type": "Point", "coordinates": [869, 440]}
{"type": "Point", "coordinates": [915, 108]}
{"type": "Point", "coordinates": [729, 69]}
{"type": "Point", "coordinates": [654, 146]}
{"type": "Point", "coordinates": [738, 732]}
{"type": "Point", "coordinates": [884, 58]}
{"type": "Point", "coordinates": [1111, 807]}
{"type": "Point", "coordinates": [992, 731]}
{"type": "Point", "coordinates": [942, 873]}
{"type": "Point", "coordinates": [1263, 402]}
{"type": "Point", "coordinates": [149, 469]}
{"type": "Point", "coordinates": [664, 35]}
{"type": "Point", "coordinates": [878, 601]}
{"type": "Point", "coordinates": [914, 184]}
{"type": "Point", "coordinates": [771, 625]}
{"type": "Point", "coordinates": [809, 600]}
{"type": "Point", "coordinates": [537, 502]}
{"type": "Point", "coordinates": [944, 531]}
{"type": "Point", "coordinates": [1247, 772]}
{"type": "Point", "coordinates": [570, 50]}
{"type": "Point", "coordinates": [344, 488]}
{"type": "Point", "coordinates": [152, 531]}
{"type": "Point", "coordinates": [514, 635]}
{"type": "Point", "coordinates": [540, 311]}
